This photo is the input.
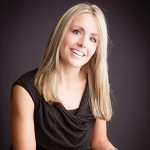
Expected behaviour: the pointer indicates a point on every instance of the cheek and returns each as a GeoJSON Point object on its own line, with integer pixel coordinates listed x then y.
{"type": "Point", "coordinates": [68, 40]}
{"type": "Point", "coordinates": [92, 50]}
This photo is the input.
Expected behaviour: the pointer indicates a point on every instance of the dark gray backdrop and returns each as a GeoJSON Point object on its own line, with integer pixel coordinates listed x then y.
{"type": "Point", "coordinates": [24, 32]}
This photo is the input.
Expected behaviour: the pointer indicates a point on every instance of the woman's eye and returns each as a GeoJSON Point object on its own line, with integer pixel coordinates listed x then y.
{"type": "Point", "coordinates": [93, 39]}
{"type": "Point", "coordinates": [76, 32]}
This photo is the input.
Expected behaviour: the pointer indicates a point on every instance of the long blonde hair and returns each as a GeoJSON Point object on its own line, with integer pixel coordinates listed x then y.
{"type": "Point", "coordinates": [97, 68]}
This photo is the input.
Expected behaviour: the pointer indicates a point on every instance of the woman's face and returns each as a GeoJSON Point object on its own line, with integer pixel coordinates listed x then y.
{"type": "Point", "coordinates": [80, 41]}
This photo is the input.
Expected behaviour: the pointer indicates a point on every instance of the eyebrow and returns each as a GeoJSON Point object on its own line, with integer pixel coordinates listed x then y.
{"type": "Point", "coordinates": [84, 30]}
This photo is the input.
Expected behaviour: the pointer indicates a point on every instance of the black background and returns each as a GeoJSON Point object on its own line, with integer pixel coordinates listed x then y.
{"type": "Point", "coordinates": [25, 27]}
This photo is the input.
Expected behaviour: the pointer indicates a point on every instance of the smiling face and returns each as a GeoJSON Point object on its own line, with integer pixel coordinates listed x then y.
{"type": "Point", "coordinates": [80, 41]}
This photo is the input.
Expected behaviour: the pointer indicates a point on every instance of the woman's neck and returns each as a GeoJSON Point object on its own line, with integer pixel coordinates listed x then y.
{"type": "Point", "coordinates": [71, 77]}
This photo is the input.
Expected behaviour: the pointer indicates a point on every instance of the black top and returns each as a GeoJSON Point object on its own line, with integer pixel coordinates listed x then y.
{"type": "Point", "coordinates": [57, 128]}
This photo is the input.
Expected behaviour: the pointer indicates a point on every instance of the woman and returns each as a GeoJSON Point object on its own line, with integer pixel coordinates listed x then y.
{"type": "Point", "coordinates": [65, 103]}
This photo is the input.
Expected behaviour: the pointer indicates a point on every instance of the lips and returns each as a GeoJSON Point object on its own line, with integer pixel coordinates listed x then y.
{"type": "Point", "coordinates": [78, 52]}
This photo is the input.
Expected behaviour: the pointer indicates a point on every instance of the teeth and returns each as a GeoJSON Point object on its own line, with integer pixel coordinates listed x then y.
{"type": "Point", "coordinates": [79, 53]}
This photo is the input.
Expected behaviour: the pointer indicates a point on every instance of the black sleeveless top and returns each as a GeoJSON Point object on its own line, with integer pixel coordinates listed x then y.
{"type": "Point", "coordinates": [57, 128]}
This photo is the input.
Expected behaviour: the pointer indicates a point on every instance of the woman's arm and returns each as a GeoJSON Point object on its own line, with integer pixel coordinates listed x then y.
{"type": "Point", "coordinates": [100, 140]}
{"type": "Point", "coordinates": [22, 122]}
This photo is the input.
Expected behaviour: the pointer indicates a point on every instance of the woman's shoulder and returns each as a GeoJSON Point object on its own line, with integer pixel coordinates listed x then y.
{"type": "Point", "coordinates": [27, 77]}
{"type": "Point", "coordinates": [29, 74]}
{"type": "Point", "coordinates": [26, 80]}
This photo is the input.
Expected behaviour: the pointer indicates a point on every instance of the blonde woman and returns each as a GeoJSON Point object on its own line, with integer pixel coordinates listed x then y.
{"type": "Point", "coordinates": [65, 103]}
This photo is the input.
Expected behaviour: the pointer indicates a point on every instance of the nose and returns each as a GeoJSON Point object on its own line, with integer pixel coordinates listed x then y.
{"type": "Point", "coordinates": [82, 42]}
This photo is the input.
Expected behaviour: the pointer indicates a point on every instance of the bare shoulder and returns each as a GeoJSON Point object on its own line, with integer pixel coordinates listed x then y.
{"type": "Point", "coordinates": [22, 122]}
{"type": "Point", "coordinates": [21, 100]}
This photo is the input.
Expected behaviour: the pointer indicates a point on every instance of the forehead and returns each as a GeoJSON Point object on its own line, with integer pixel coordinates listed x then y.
{"type": "Point", "coordinates": [87, 21]}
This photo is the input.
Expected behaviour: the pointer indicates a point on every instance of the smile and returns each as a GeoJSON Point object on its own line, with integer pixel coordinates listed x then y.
{"type": "Point", "coordinates": [78, 52]}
